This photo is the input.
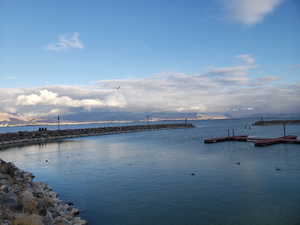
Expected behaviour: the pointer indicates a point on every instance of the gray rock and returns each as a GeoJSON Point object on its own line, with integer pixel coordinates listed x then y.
{"type": "Point", "coordinates": [10, 201]}
{"type": "Point", "coordinates": [6, 222]}
{"type": "Point", "coordinates": [4, 182]}
{"type": "Point", "coordinates": [4, 176]}
{"type": "Point", "coordinates": [4, 188]}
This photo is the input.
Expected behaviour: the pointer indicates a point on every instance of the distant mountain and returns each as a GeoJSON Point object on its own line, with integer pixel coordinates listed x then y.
{"type": "Point", "coordinates": [212, 117]}
{"type": "Point", "coordinates": [98, 116]}
{"type": "Point", "coordinates": [10, 118]}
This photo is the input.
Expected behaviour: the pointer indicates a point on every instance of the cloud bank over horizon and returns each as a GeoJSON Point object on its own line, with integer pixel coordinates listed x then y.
{"type": "Point", "coordinates": [227, 90]}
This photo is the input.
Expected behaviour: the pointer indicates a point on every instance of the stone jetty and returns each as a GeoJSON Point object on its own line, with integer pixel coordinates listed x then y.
{"type": "Point", "coordinates": [24, 202]}
{"type": "Point", "coordinates": [275, 122]}
{"type": "Point", "coordinates": [43, 135]}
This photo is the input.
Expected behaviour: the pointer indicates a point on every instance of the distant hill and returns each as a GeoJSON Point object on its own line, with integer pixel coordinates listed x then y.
{"type": "Point", "coordinates": [7, 119]}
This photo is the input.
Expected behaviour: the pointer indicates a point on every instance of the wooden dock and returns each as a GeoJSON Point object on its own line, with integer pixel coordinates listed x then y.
{"type": "Point", "coordinates": [290, 139]}
{"type": "Point", "coordinates": [280, 140]}
{"type": "Point", "coordinates": [222, 139]}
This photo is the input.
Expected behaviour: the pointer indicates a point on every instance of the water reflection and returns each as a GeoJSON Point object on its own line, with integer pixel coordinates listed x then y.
{"type": "Point", "coordinates": [145, 178]}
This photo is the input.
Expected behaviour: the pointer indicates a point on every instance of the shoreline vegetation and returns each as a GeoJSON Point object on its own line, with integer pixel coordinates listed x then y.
{"type": "Point", "coordinates": [24, 202]}
{"type": "Point", "coordinates": [23, 138]}
{"type": "Point", "coordinates": [275, 122]}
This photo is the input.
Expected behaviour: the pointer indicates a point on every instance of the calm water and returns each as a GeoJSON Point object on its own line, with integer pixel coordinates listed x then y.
{"type": "Point", "coordinates": [145, 178]}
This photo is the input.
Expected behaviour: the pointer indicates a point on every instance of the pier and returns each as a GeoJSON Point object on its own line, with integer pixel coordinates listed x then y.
{"type": "Point", "coordinates": [43, 135]}
{"type": "Point", "coordinates": [260, 142]}
{"type": "Point", "coordinates": [280, 140]}
{"type": "Point", "coordinates": [222, 139]}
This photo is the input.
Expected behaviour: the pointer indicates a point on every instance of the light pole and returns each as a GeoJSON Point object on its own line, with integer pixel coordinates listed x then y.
{"type": "Point", "coordinates": [58, 122]}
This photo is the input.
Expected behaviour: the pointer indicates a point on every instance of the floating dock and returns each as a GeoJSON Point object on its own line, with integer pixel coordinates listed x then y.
{"type": "Point", "coordinates": [290, 139]}
{"type": "Point", "coordinates": [222, 139]}
{"type": "Point", "coordinates": [279, 140]}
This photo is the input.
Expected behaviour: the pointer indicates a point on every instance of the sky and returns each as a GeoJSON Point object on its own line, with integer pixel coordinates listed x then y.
{"type": "Point", "coordinates": [218, 57]}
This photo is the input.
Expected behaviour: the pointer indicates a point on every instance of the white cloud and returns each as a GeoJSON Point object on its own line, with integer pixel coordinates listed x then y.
{"type": "Point", "coordinates": [250, 12]}
{"type": "Point", "coordinates": [263, 81]}
{"type": "Point", "coordinates": [269, 78]}
{"type": "Point", "coordinates": [49, 98]}
{"type": "Point", "coordinates": [248, 59]}
{"type": "Point", "coordinates": [240, 70]}
{"type": "Point", "coordinates": [233, 74]}
{"type": "Point", "coordinates": [233, 79]}
{"type": "Point", "coordinates": [65, 42]}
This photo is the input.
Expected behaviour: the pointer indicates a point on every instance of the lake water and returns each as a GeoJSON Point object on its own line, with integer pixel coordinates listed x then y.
{"type": "Point", "coordinates": [146, 178]}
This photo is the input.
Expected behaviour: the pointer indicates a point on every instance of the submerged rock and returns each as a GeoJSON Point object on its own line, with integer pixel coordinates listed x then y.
{"type": "Point", "coordinates": [24, 202]}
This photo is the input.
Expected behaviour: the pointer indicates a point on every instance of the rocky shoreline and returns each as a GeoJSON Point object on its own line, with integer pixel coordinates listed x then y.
{"type": "Point", "coordinates": [24, 202]}
{"type": "Point", "coordinates": [22, 138]}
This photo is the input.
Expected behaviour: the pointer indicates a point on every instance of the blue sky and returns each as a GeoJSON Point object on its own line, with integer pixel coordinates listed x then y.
{"type": "Point", "coordinates": [81, 43]}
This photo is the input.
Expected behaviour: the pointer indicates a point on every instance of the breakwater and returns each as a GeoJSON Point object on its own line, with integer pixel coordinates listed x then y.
{"type": "Point", "coordinates": [22, 138]}
{"type": "Point", "coordinates": [275, 122]}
